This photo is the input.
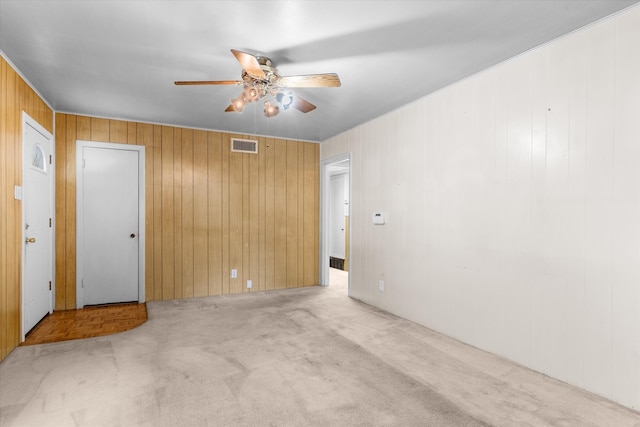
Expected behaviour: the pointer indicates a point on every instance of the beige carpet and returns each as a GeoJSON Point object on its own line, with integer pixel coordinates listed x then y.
{"type": "Point", "coordinates": [286, 358]}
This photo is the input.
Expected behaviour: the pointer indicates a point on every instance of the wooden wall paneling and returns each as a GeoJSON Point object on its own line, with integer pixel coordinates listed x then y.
{"type": "Point", "coordinates": [15, 96]}
{"type": "Point", "coordinates": [132, 134]}
{"type": "Point", "coordinates": [118, 132]}
{"type": "Point", "coordinates": [157, 214]}
{"type": "Point", "coordinates": [309, 214]}
{"type": "Point", "coordinates": [187, 213]}
{"type": "Point", "coordinates": [218, 250]}
{"type": "Point", "coordinates": [300, 214]}
{"type": "Point", "coordinates": [217, 202]}
{"type": "Point", "coordinates": [280, 214]}
{"type": "Point", "coordinates": [207, 209]}
{"type": "Point", "coordinates": [261, 281]}
{"type": "Point", "coordinates": [144, 136]}
{"type": "Point", "coordinates": [316, 221]}
{"type": "Point", "coordinates": [212, 194]}
{"type": "Point", "coordinates": [269, 209]}
{"type": "Point", "coordinates": [177, 216]}
{"type": "Point", "coordinates": [4, 192]}
{"type": "Point", "coordinates": [254, 220]}
{"type": "Point", "coordinates": [226, 204]}
{"type": "Point", "coordinates": [244, 273]}
{"type": "Point", "coordinates": [77, 128]}
{"type": "Point", "coordinates": [200, 217]}
{"type": "Point", "coordinates": [168, 220]}
{"type": "Point", "coordinates": [13, 169]}
{"type": "Point", "coordinates": [83, 130]}
{"type": "Point", "coordinates": [5, 186]}
{"type": "Point", "coordinates": [60, 205]}
{"type": "Point", "coordinates": [235, 217]}
{"type": "Point", "coordinates": [292, 213]}
{"type": "Point", "coordinates": [100, 129]}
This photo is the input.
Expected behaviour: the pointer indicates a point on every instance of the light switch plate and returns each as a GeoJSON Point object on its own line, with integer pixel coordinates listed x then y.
{"type": "Point", "coordinates": [17, 192]}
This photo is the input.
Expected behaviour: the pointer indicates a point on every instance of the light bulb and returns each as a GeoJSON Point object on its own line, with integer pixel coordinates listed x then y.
{"type": "Point", "coordinates": [251, 93]}
{"type": "Point", "coordinates": [270, 110]}
{"type": "Point", "coordinates": [238, 103]}
{"type": "Point", "coordinates": [285, 99]}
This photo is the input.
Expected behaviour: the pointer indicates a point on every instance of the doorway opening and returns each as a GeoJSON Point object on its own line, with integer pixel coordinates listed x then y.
{"type": "Point", "coordinates": [335, 262]}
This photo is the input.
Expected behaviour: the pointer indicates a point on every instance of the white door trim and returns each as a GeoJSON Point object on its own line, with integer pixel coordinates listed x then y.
{"type": "Point", "coordinates": [325, 205]}
{"type": "Point", "coordinates": [80, 145]}
{"type": "Point", "coordinates": [29, 121]}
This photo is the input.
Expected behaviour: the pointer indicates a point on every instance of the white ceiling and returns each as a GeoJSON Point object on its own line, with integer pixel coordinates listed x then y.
{"type": "Point", "coordinates": [118, 59]}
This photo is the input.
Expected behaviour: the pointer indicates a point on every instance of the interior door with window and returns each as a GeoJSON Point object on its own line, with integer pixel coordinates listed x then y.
{"type": "Point", "coordinates": [37, 226]}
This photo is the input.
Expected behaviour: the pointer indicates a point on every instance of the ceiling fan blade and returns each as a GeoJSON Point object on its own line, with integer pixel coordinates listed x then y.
{"type": "Point", "coordinates": [302, 104]}
{"type": "Point", "coordinates": [230, 109]}
{"type": "Point", "coordinates": [311, 80]}
{"type": "Point", "coordinates": [210, 82]}
{"type": "Point", "coordinates": [249, 63]}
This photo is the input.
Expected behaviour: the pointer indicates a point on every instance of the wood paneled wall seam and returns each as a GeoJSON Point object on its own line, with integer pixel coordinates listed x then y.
{"type": "Point", "coordinates": [15, 97]}
{"type": "Point", "coordinates": [208, 210]}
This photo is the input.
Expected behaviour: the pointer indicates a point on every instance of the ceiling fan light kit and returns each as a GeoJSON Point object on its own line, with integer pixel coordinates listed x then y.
{"type": "Point", "coordinates": [261, 80]}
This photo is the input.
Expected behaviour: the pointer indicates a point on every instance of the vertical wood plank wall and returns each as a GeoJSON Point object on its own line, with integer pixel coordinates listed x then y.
{"type": "Point", "coordinates": [208, 209]}
{"type": "Point", "coordinates": [15, 96]}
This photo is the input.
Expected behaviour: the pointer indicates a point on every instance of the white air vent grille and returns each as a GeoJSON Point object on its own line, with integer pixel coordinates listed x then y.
{"type": "Point", "coordinates": [244, 145]}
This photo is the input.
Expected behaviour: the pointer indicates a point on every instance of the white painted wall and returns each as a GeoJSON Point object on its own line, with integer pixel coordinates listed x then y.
{"type": "Point", "coordinates": [513, 209]}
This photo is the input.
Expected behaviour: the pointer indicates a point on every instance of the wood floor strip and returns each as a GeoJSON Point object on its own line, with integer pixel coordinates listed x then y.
{"type": "Point", "coordinates": [88, 322]}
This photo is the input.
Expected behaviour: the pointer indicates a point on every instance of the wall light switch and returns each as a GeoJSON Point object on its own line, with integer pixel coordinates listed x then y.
{"type": "Point", "coordinates": [234, 274]}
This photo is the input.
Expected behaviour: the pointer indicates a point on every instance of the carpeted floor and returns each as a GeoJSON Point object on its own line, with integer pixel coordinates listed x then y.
{"type": "Point", "coordinates": [287, 358]}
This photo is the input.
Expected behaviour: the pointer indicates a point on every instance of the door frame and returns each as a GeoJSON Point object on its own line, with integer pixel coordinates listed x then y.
{"type": "Point", "coordinates": [325, 212]}
{"type": "Point", "coordinates": [80, 145]}
{"type": "Point", "coordinates": [29, 121]}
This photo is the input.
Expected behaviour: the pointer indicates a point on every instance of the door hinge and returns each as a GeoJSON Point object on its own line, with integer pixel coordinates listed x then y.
{"type": "Point", "coordinates": [49, 222]}
{"type": "Point", "coordinates": [49, 284]}
{"type": "Point", "coordinates": [50, 156]}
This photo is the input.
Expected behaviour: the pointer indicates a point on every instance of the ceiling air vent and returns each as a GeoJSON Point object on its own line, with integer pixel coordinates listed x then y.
{"type": "Point", "coordinates": [244, 145]}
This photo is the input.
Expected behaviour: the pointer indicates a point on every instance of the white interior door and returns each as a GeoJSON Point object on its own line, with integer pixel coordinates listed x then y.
{"type": "Point", "coordinates": [337, 218]}
{"type": "Point", "coordinates": [37, 225]}
{"type": "Point", "coordinates": [109, 227]}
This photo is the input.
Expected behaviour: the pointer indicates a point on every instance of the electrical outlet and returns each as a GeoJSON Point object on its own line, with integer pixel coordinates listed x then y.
{"type": "Point", "coordinates": [234, 274]}
{"type": "Point", "coordinates": [381, 285]}
{"type": "Point", "coordinates": [249, 284]}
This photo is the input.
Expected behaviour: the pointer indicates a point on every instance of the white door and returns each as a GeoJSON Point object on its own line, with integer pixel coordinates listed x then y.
{"type": "Point", "coordinates": [37, 225]}
{"type": "Point", "coordinates": [337, 218]}
{"type": "Point", "coordinates": [109, 234]}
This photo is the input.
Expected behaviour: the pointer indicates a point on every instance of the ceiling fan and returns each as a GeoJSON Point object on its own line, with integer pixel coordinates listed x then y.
{"type": "Point", "coordinates": [260, 79]}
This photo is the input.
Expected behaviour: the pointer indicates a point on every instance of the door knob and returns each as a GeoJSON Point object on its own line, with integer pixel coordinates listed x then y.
{"type": "Point", "coordinates": [133, 235]}
{"type": "Point", "coordinates": [30, 240]}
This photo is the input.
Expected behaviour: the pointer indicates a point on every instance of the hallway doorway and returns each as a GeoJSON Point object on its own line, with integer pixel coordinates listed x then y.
{"type": "Point", "coordinates": [335, 251]}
